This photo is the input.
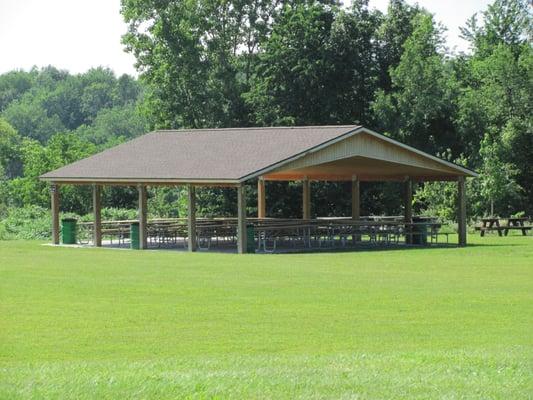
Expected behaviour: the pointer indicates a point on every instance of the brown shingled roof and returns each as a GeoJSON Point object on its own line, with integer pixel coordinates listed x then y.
{"type": "Point", "coordinates": [226, 155]}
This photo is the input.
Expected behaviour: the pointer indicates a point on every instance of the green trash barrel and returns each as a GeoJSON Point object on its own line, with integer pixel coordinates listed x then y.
{"type": "Point", "coordinates": [250, 239]}
{"type": "Point", "coordinates": [420, 231]}
{"type": "Point", "coordinates": [68, 230]}
{"type": "Point", "coordinates": [134, 235]}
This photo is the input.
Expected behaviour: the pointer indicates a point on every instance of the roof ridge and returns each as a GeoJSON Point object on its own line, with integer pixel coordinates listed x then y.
{"type": "Point", "coordinates": [256, 128]}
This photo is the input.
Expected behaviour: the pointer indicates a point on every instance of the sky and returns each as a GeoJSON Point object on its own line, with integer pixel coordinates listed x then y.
{"type": "Point", "coordinates": [79, 34]}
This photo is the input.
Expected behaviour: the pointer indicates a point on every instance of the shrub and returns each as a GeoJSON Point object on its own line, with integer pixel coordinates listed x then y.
{"type": "Point", "coordinates": [31, 222]}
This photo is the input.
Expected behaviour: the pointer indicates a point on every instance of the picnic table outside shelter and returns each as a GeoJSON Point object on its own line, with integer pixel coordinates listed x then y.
{"type": "Point", "coordinates": [493, 224]}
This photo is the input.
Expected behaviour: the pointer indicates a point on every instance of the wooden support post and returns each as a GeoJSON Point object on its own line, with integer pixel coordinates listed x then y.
{"type": "Point", "coordinates": [261, 198]}
{"type": "Point", "coordinates": [241, 219]}
{"type": "Point", "coordinates": [143, 217]}
{"type": "Point", "coordinates": [408, 210]}
{"type": "Point", "coordinates": [191, 218]}
{"type": "Point", "coordinates": [461, 214]}
{"type": "Point", "coordinates": [408, 201]}
{"type": "Point", "coordinates": [306, 199]}
{"type": "Point", "coordinates": [356, 199]}
{"type": "Point", "coordinates": [97, 212]}
{"type": "Point", "coordinates": [54, 205]}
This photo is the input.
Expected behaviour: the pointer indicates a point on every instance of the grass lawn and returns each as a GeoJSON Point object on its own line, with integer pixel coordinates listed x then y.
{"type": "Point", "coordinates": [424, 323]}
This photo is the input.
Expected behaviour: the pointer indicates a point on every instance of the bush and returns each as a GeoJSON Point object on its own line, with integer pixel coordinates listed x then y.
{"type": "Point", "coordinates": [31, 222]}
{"type": "Point", "coordinates": [34, 222]}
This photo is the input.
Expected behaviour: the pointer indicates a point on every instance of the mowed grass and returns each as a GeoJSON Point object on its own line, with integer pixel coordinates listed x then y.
{"type": "Point", "coordinates": [419, 323]}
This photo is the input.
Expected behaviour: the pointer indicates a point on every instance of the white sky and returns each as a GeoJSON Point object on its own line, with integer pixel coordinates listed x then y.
{"type": "Point", "coordinates": [451, 13]}
{"type": "Point", "coordinates": [79, 34]}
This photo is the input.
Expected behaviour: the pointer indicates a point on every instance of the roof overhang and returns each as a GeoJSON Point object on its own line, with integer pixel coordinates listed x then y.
{"type": "Point", "coordinates": [284, 170]}
{"type": "Point", "coordinates": [229, 157]}
{"type": "Point", "coordinates": [143, 181]}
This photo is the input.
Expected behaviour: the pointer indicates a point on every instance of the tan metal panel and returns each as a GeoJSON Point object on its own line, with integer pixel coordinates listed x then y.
{"type": "Point", "coordinates": [369, 147]}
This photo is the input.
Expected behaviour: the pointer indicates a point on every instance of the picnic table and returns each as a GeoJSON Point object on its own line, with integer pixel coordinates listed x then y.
{"type": "Point", "coordinates": [493, 224]}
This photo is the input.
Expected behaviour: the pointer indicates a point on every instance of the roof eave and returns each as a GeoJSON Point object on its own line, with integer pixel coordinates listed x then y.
{"type": "Point", "coordinates": [462, 171]}
{"type": "Point", "coordinates": [465, 171]}
{"type": "Point", "coordinates": [311, 150]}
{"type": "Point", "coordinates": [137, 181]}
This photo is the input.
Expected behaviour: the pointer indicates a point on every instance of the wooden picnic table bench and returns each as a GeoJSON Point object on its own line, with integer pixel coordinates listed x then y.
{"type": "Point", "coordinates": [492, 224]}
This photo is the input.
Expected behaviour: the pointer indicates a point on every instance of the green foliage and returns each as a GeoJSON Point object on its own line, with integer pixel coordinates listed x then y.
{"type": "Point", "coordinates": [49, 101]}
{"type": "Point", "coordinates": [496, 99]}
{"type": "Point", "coordinates": [317, 67]}
{"type": "Point", "coordinates": [113, 214]}
{"type": "Point", "coordinates": [61, 118]}
{"type": "Point", "coordinates": [31, 222]}
{"type": "Point", "coordinates": [13, 85]}
{"type": "Point", "coordinates": [417, 110]}
{"type": "Point", "coordinates": [505, 22]}
{"type": "Point", "coordinates": [61, 149]}
{"type": "Point", "coordinates": [209, 64]}
{"type": "Point", "coordinates": [34, 222]}
{"type": "Point", "coordinates": [440, 198]}
{"type": "Point", "coordinates": [396, 27]}
{"type": "Point", "coordinates": [167, 202]}
{"type": "Point", "coordinates": [30, 118]}
{"type": "Point", "coordinates": [497, 177]}
{"type": "Point", "coordinates": [112, 125]}
{"type": "Point", "coordinates": [10, 140]}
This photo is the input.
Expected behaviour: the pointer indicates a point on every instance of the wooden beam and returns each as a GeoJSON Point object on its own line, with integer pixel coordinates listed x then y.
{"type": "Point", "coordinates": [360, 178]}
{"type": "Point", "coordinates": [461, 214]}
{"type": "Point", "coordinates": [261, 198]}
{"type": "Point", "coordinates": [408, 201]}
{"type": "Point", "coordinates": [54, 205]}
{"type": "Point", "coordinates": [356, 199]}
{"type": "Point", "coordinates": [97, 212]}
{"type": "Point", "coordinates": [275, 177]}
{"type": "Point", "coordinates": [241, 220]}
{"type": "Point", "coordinates": [306, 199]}
{"type": "Point", "coordinates": [145, 181]}
{"type": "Point", "coordinates": [191, 218]}
{"type": "Point", "coordinates": [143, 216]}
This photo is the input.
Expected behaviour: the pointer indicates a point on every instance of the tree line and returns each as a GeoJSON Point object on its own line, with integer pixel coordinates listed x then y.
{"type": "Point", "coordinates": [207, 63]}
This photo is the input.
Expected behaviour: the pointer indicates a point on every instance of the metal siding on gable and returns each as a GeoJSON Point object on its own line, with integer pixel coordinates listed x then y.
{"type": "Point", "coordinates": [364, 145]}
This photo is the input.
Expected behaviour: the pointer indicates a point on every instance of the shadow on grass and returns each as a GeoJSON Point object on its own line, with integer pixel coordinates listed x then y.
{"type": "Point", "coordinates": [300, 250]}
{"type": "Point", "coordinates": [401, 247]}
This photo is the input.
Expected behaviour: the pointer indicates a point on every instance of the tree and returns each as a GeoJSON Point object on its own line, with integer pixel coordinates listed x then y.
{"type": "Point", "coordinates": [10, 163]}
{"type": "Point", "coordinates": [397, 26]}
{"type": "Point", "coordinates": [64, 101]}
{"type": "Point", "coordinates": [62, 149]}
{"type": "Point", "coordinates": [505, 22]}
{"type": "Point", "coordinates": [197, 56]}
{"type": "Point", "coordinates": [13, 85]}
{"type": "Point", "coordinates": [496, 86]}
{"type": "Point", "coordinates": [317, 67]}
{"type": "Point", "coordinates": [113, 125]}
{"type": "Point", "coordinates": [419, 111]}
{"type": "Point", "coordinates": [498, 185]}
{"type": "Point", "coordinates": [293, 82]}
{"type": "Point", "coordinates": [28, 116]}
{"type": "Point", "coordinates": [98, 92]}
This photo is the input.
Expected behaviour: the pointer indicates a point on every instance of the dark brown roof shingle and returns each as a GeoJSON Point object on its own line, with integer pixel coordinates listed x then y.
{"type": "Point", "coordinates": [202, 154]}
